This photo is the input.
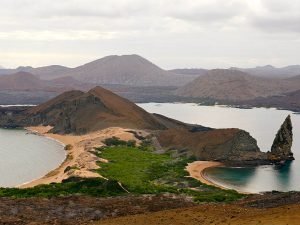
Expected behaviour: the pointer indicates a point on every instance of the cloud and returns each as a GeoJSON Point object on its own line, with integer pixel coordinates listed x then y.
{"type": "Point", "coordinates": [174, 31]}
{"type": "Point", "coordinates": [277, 16]}
{"type": "Point", "coordinates": [207, 11]}
{"type": "Point", "coordinates": [85, 35]}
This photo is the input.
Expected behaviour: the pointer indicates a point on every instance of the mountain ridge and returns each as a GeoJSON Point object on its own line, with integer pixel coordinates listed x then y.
{"type": "Point", "coordinates": [270, 71]}
{"type": "Point", "coordinates": [131, 70]}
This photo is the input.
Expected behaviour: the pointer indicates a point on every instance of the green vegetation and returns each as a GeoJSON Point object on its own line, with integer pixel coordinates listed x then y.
{"type": "Point", "coordinates": [143, 172]}
{"type": "Point", "coordinates": [115, 141]}
{"type": "Point", "coordinates": [93, 187]}
{"type": "Point", "coordinates": [138, 169]}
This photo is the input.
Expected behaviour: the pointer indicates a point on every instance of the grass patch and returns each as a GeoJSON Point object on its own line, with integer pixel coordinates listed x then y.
{"type": "Point", "coordinates": [143, 172]}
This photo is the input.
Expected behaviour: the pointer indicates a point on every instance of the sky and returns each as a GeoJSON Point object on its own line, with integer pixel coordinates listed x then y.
{"type": "Point", "coordinates": [170, 33]}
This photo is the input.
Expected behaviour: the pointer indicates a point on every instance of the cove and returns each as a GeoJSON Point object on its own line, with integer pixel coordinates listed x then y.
{"type": "Point", "coordinates": [262, 123]}
{"type": "Point", "coordinates": [25, 156]}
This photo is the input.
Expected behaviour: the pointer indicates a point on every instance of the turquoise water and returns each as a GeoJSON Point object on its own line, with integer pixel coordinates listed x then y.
{"type": "Point", "coordinates": [25, 157]}
{"type": "Point", "coordinates": [262, 124]}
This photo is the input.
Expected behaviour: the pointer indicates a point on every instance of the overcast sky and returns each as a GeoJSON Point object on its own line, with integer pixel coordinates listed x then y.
{"type": "Point", "coordinates": [170, 33]}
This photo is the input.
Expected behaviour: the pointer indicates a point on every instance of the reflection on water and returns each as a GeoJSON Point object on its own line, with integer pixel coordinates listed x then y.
{"type": "Point", "coordinates": [253, 179]}
{"type": "Point", "coordinates": [262, 124]}
{"type": "Point", "coordinates": [284, 174]}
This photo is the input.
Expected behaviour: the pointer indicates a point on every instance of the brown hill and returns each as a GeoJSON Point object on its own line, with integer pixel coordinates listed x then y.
{"type": "Point", "coordinates": [80, 112]}
{"type": "Point", "coordinates": [235, 85]}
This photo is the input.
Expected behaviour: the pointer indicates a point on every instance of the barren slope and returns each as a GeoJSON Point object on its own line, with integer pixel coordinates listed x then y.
{"type": "Point", "coordinates": [80, 112]}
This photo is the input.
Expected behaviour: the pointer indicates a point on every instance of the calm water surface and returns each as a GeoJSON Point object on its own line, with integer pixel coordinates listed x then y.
{"type": "Point", "coordinates": [25, 157]}
{"type": "Point", "coordinates": [262, 124]}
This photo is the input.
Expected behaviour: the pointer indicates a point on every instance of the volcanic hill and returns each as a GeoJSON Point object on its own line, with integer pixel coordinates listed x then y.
{"type": "Point", "coordinates": [80, 112]}
{"type": "Point", "coordinates": [132, 70]}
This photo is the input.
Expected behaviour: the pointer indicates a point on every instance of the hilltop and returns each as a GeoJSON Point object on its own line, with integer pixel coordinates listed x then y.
{"type": "Point", "coordinates": [132, 70]}
{"type": "Point", "coordinates": [234, 85]}
{"type": "Point", "coordinates": [80, 112]}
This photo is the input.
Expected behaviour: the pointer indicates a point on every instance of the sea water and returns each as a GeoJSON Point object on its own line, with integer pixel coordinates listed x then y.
{"type": "Point", "coordinates": [262, 123]}
{"type": "Point", "coordinates": [25, 156]}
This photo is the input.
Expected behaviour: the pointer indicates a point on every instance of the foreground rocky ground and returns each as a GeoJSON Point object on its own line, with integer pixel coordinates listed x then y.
{"type": "Point", "coordinates": [271, 208]}
{"type": "Point", "coordinates": [82, 210]}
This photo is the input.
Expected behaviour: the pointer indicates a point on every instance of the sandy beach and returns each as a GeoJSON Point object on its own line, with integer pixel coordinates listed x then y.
{"type": "Point", "coordinates": [80, 157]}
{"type": "Point", "coordinates": [196, 169]}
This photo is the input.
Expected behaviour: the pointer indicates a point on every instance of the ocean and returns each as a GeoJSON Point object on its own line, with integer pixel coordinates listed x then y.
{"type": "Point", "coordinates": [25, 156]}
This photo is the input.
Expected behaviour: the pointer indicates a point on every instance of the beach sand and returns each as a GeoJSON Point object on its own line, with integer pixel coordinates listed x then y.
{"type": "Point", "coordinates": [80, 156]}
{"type": "Point", "coordinates": [196, 169]}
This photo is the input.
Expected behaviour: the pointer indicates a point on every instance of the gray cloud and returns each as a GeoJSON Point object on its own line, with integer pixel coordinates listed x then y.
{"type": "Point", "coordinates": [277, 16]}
{"type": "Point", "coordinates": [172, 33]}
{"type": "Point", "coordinates": [284, 24]}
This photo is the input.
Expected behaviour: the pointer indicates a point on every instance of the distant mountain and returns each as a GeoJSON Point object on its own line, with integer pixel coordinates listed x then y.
{"type": "Point", "coordinates": [130, 70]}
{"type": "Point", "coordinates": [45, 70]}
{"type": "Point", "coordinates": [271, 71]}
{"type": "Point", "coordinates": [290, 101]}
{"type": "Point", "coordinates": [235, 85]}
{"type": "Point", "coordinates": [22, 81]}
{"type": "Point", "coordinates": [127, 70]}
{"type": "Point", "coordinates": [191, 72]}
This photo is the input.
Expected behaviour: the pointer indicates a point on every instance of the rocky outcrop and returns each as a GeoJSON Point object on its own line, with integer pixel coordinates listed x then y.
{"type": "Point", "coordinates": [282, 145]}
{"type": "Point", "coordinates": [224, 145]}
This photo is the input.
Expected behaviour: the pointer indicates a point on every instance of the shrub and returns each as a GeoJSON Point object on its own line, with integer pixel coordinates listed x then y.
{"type": "Point", "coordinates": [68, 147]}
{"type": "Point", "coordinates": [115, 141]}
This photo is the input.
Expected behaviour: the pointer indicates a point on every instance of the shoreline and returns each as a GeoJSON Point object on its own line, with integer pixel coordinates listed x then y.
{"type": "Point", "coordinates": [196, 169]}
{"type": "Point", "coordinates": [80, 160]}
{"type": "Point", "coordinates": [35, 132]}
